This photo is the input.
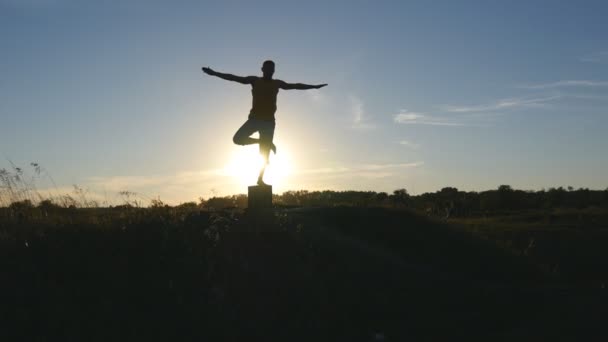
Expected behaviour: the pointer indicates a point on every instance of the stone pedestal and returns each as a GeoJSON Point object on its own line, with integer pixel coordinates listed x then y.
{"type": "Point", "coordinates": [260, 197]}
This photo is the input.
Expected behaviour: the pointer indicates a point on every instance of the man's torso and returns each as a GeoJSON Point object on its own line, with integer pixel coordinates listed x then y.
{"type": "Point", "coordinates": [264, 103]}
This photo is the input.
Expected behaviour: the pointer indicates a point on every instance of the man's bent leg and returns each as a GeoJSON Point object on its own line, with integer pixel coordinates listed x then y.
{"type": "Point", "coordinates": [266, 134]}
{"type": "Point", "coordinates": [242, 135]}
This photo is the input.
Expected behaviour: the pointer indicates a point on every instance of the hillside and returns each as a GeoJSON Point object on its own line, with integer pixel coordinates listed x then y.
{"type": "Point", "coordinates": [324, 274]}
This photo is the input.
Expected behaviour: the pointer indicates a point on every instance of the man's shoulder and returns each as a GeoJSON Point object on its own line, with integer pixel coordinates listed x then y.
{"type": "Point", "coordinates": [279, 83]}
{"type": "Point", "coordinates": [274, 81]}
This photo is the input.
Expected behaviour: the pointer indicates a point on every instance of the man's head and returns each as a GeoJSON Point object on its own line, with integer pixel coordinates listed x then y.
{"type": "Point", "coordinates": [268, 69]}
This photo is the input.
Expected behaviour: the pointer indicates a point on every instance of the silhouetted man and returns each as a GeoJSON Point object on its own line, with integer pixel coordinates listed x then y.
{"type": "Point", "coordinates": [261, 117]}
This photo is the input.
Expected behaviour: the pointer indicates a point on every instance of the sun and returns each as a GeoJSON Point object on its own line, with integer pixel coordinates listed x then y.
{"type": "Point", "coordinates": [245, 163]}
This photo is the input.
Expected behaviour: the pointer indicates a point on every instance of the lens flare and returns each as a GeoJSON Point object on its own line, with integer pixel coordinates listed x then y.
{"type": "Point", "coordinates": [245, 163]}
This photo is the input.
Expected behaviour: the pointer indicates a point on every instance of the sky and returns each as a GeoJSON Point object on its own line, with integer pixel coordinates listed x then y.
{"type": "Point", "coordinates": [110, 96]}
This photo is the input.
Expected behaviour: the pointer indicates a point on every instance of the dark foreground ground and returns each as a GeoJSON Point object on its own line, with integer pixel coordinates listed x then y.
{"type": "Point", "coordinates": [316, 274]}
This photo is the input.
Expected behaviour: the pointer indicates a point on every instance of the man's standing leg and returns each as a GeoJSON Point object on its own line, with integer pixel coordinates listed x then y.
{"type": "Point", "coordinates": [266, 130]}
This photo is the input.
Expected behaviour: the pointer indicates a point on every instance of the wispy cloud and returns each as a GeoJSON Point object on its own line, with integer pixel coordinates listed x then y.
{"type": "Point", "coordinates": [358, 176]}
{"type": "Point", "coordinates": [190, 185]}
{"type": "Point", "coordinates": [409, 144]}
{"type": "Point", "coordinates": [416, 118]}
{"type": "Point", "coordinates": [390, 166]}
{"type": "Point", "coordinates": [597, 57]}
{"type": "Point", "coordinates": [317, 96]}
{"type": "Point", "coordinates": [82, 195]}
{"type": "Point", "coordinates": [360, 119]}
{"type": "Point", "coordinates": [566, 83]}
{"type": "Point", "coordinates": [502, 104]}
{"type": "Point", "coordinates": [119, 183]}
{"type": "Point", "coordinates": [324, 170]}
{"type": "Point", "coordinates": [587, 96]}
{"type": "Point", "coordinates": [173, 188]}
{"type": "Point", "coordinates": [28, 3]}
{"type": "Point", "coordinates": [361, 170]}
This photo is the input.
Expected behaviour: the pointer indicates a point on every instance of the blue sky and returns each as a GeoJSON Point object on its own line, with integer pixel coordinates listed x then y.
{"type": "Point", "coordinates": [109, 95]}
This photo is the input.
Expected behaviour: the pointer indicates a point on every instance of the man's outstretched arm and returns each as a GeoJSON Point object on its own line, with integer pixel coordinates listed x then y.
{"type": "Point", "coordinates": [299, 86]}
{"type": "Point", "coordinates": [229, 77]}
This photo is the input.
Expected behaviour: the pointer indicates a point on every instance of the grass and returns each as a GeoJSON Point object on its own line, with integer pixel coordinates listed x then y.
{"type": "Point", "coordinates": [333, 274]}
{"type": "Point", "coordinates": [569, 243]}
{"type": "Point", "coordinates": [192, 272]}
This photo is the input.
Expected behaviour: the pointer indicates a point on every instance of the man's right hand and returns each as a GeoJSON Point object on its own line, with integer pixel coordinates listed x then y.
{"type": "Point", "coordinates": [208, 71]}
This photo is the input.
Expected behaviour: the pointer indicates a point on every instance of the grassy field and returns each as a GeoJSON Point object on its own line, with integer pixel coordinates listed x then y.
{"type": "Point", "coordinates": [323, 274]}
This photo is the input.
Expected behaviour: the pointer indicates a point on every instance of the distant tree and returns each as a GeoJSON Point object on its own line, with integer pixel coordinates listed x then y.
{"type": "Point", "coordinates": [157, 203]}
{"type": "Point", "coordinates": [381, 197]}
{"type": "Point", "coordinates": [400, 197]}
{"type": "Point", "coordinates": [21, 208]}
{"type": "Point", "coordinates": [449, 191]}
{"type": "Point", "coordinates": [21, 205]}
{"type": "Point", "coordinates": [48, 205]}
{"type": "Point", "coordinates": [505, 188]}
{"type": "Point", "coordinates": [189, 206]}
{"type": "Point", "coordinates": [556, 197]}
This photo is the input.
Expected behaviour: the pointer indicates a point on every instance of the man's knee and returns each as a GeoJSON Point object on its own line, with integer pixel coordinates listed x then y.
{"type": "Point", "coordinates": [237, 139]}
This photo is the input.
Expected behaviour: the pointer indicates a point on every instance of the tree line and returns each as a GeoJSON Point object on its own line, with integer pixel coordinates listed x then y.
{"type": "Point", "coordinates": [448, 201]}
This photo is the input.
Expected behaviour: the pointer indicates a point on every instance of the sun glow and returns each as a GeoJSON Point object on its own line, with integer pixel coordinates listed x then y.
{"type": "Point", "coordinates": [245, 163]}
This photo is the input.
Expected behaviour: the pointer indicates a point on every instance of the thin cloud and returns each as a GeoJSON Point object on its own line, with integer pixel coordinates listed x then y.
{"type": "Point", "coordinates": [316, 96]}
{"type": "Point", "coordinates": [378, 171]}
{"type": "Point", "coordinates": [190, 185]}
{"type": "Point", "coordinates": [416, 118]}
{"type": "Point", "coordinates": [119, 183]}
{"type": "Point", "coordinates": [324, 170]}
{"type": "Point", "coordinates": [587, 96]}
{"type": "Point", "coordinates": [360, 118]}
{"type": "Point", "coordinates": [390, 166]}
{"type": "Point", "coordinates": [566, 83]}
{"type": "Point", "coordinates": [63, 193]}
{"type": "Point", "coordinates": [596, 57]}
{"type": "Point", "coordinates": [409, 144]}
{"type": "Point", "coordinates": [501, 104]}
{"type": "Point", "coordinates": [29, 4]}
{"type": "Point", "coordinates": [361, 170]}
{"type": "Point", "coordinates": [173, 188]}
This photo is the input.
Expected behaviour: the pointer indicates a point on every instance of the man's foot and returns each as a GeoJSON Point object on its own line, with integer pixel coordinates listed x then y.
{"type": "Point", "coordinates": [261, 182]}
{"type": "Point", "coordinates": [273, 148]}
